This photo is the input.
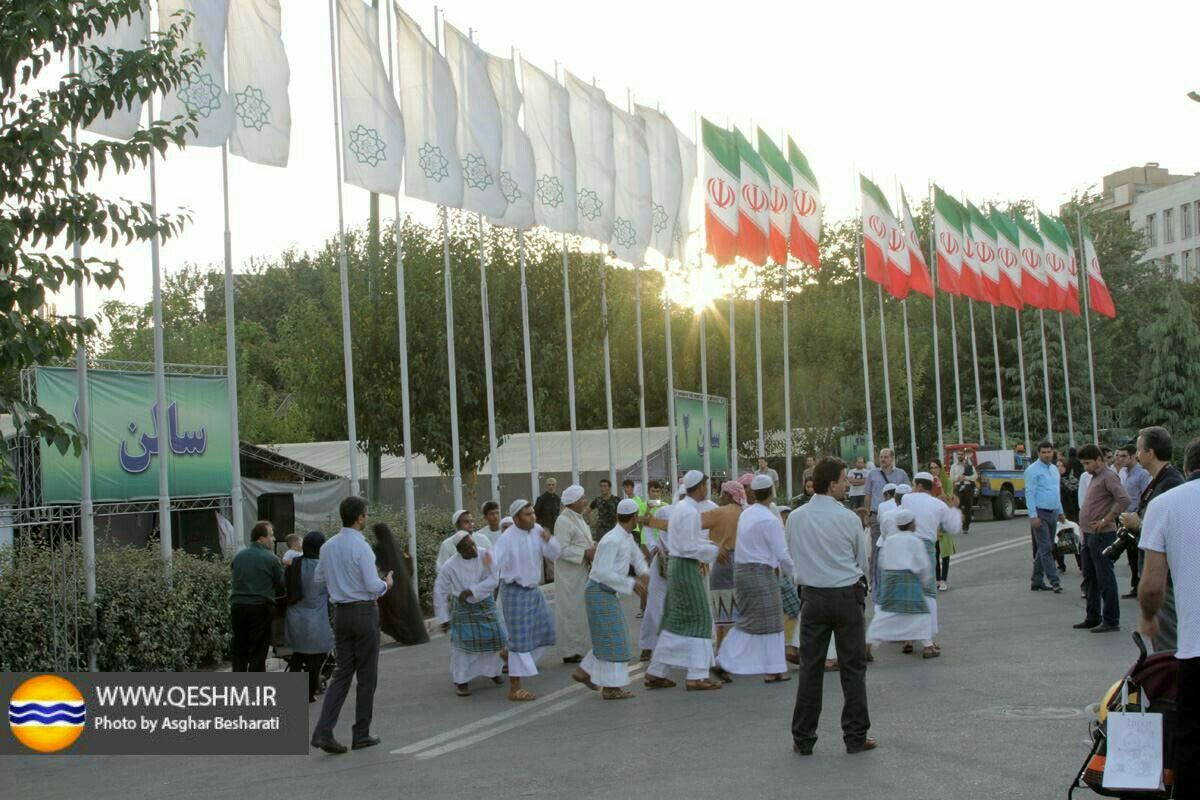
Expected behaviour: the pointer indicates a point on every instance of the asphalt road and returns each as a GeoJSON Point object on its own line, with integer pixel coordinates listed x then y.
{"type": "Point", "coordinates": [1001, 714]}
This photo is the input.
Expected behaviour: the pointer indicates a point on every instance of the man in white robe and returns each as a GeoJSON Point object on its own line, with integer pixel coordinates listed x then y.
{"type": "Point", "coordinates": [463, 524]}
{"type": "Point", "coordinates": [902, 614]}
{"type": "Point", "coordinates": [463, 605]}
{"type": "Point", "coordinates": [656, 594]}
{"type": "Point", "coordinates": [574, 538]}
{"type": "Point", "coordinates": [930, 513]}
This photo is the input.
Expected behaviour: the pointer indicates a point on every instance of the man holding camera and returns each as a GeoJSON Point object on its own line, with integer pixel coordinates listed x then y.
{"type": "Point", "coordinates": [964, 479]}
{"type": "Point", "coordinates": [1105, 499]}
{"type": "Point", "coordinates": [1135, 479]}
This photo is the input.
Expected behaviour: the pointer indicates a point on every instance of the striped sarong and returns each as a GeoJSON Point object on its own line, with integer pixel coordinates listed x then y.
{"type": "Point", "coordinates": [528, 617]}
{"type": "Point", "coordinates": [791, 599]}
{"type": "Point", "coordinates": [606, 621]}
{"type": "Point", "coordinates": [760, 602]}
{"type": "Point", "coordinates": [721, 593]}
{"type": "Point", "coordinates": [902, 593]}
{"type": "Point", "coordinates": [931, 550]}
{"type": "Point", "coordinates": [475, 627]}
{"type": "Point", "coordinates": [686, 611]}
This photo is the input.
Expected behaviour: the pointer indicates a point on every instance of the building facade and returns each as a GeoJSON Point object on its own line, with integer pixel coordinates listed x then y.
{"type": "Point", "coordinates": [1170, 218]}
{"type": "Point", "coordinates": [1122, 188]}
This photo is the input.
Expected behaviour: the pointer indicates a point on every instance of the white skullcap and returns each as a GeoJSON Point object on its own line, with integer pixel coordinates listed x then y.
{"type": "Point", "coordinates": [516, 507]}
{"type": "Point", "coordinates": [456, 516]}
{"type": "Point", "coordinates": [628, 506]}
{"type": "Point", "coordinates": [902, 517]}
{"type": "Point", "coordinates": [889, 487]}
{"type": "Point", "coordinates": [762, 482]}
{"type": "Point", "coordinates": [506, 523]}
{"type": "Point", "coordinates": [692, 479]}
{"type": "Point", "coordinates": [923, 476]}
{"type": "Point", "coordinates": [782, 509]}
{"type": "Point", "coordinates": [903, 488]}
{"type": "Point", "coordinates": [572, 494]}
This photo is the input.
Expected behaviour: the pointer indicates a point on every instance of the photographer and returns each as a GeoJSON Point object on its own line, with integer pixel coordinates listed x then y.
{"type": "Point", "coordinates": [1170, 543]}
{"type": "Point", "coordinates": [964, 479]}
{"type": "Point", "coordinates": [1105, 499]}
{"type": "Point", "coordinates": [1135, 479]}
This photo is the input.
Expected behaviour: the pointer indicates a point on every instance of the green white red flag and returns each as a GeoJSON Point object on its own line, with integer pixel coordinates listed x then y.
{"type": "Point", "coordinates": [754, 196]}
{"type": "Point", "coordinates": [1035, 288]}
{"type": "Point", "coordinates": [1008, 256]}
{"type": "Point", "coordinates": [986, 247]}
{"type": "Point", "coordinates": [948, 236]}
{"type": "Point", "coordinates": [722, 168]}
{"type": "Point", "coordinates": [1058, 263]}
{"type": "Point", "coordinates": [780, 199]}
{"type": "Point", "coordinates": [880, 230]}
{"type": "Point", "coordinates": [1099, 298]}
{"type": "Point", "coordinates": [919, 279]}
{"type": "Point", "coordinates": [806, 209]}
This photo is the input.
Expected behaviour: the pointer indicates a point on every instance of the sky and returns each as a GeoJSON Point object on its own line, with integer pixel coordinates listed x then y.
{"type": "Point", "coordinates": [992, 101]}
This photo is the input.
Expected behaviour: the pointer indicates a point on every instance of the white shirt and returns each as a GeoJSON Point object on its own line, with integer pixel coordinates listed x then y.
{"type": "Point", "coordinates": [760, 540]}
{"type": "Point", "coordinates": [861, 489]}
{"type": "Point", "coordinates": [1170, 527]}
{"type": "Point", "coordinates": [449, 547]}
{"type": "Point", "coordinates": [688, 539]}
{"type": "Point", "coordinates": [517, 555]}
{"type": "Point", "coordinates": [615, 554]}
{"type": "Point", "coordinates": [886, 506]}
{"type": "Point", "coordinates": [827, 543]}
{"type": "Point", "coordinates": [290, 556]}
{"type": "Point", "coordinates": [347, 568]}
{"type": "Point", "coordinates": [931, 513]}
{"type": "Point", "coordinates": [458, 575]}
{"type": "Point", "coordinates": [1085, 480]}
{"type": "Point", "coordinates": [905, 551]}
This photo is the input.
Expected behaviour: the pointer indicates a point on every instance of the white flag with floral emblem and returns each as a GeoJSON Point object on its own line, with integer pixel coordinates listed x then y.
{"type": "Point", "coordinates": [666, 177]}
{"type": "Point", "coordinates": [430, 106]}
{"type": "Point", "coordinates": [479, 129]}
{"type": "Point", "coordinates": [689, 204]}
{"type": "Point", "coordinates": [204, 92]}
{"type": "Point", "coordinates": [372, 128]}
{"type": "Point", "coordinates": [128, 34]}
{"type": "Point", "coordinates": [517, 180]}
{"type": "Point", "coordinates": [633, 205]}
{"type": "Point", "coordinates": [592, 132]}
{"type": "Point", "coordinates": [258, 82]}
{"type": "Point", "coordinates": [548, 123]}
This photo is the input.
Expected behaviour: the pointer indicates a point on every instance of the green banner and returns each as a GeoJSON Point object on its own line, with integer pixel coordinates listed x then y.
{"type": "Point", "coordinates": [689, 432]}
{"type": "Point", "coordinates": [126, 435]}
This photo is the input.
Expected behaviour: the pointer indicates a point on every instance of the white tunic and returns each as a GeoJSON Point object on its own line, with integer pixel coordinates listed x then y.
{"type": "Point", "coordinates": [449, 547]}
{"type": "Point", "coordinates": [930, 513]}
{"type": "Point", "coordinates": [687, 540]}
{"type": "Point", "coordinates": [457, 575]}
{"type": "Point", "coordinates": [760, 540]}
{"type": "Point", "coordinates": [517, 556]}
{"type": "Point", "coordinates": [656, 594]}
{"type": "Point", "coordinates": [616, 552]}
{"type": "Point", "coordinates": [904, 552]}
{"type": "Point", "coordinates": [574, 538]}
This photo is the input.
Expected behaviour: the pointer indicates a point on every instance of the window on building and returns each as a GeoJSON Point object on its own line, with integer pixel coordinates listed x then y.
{"type": "Point", "coordinates": [1185, 218]}
{"type": "Point", "coordinates": [1196, 208]}
{"type": "Point", "coordinates": [1151, 230]}
{"type": "Point", "coordinates": [1185, 271]}
{"type": "Point", "coordinates": [1168, 226]}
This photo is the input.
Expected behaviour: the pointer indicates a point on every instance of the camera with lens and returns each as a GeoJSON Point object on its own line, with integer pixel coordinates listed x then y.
{"type": "Point", "coordinates": [1125, 540]}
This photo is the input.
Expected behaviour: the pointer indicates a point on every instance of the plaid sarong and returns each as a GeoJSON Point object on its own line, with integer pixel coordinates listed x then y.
{"type": "Point", "coordinates": [528, 617]}
{"type": "Point", "coordinates": [606, 621]}
{"type": "Point", "coordinates": [760, 602]}
{"type": "Point", "coordinates": [902, 593]}
{"type": "Point", "coordinates": [721, 593]}
{"type": "Point", "coordinates": [791, 599]}
{"type": "Point", "coordinates": [475, 627]}
{"type": "Point", "coordinates": [686, 611]}
{"type": "Point", "coordinates": [931, 549]}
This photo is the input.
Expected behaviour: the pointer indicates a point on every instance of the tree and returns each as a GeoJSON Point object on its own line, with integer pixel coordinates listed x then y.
{"type": "Point", "coordinates": [44, 207]}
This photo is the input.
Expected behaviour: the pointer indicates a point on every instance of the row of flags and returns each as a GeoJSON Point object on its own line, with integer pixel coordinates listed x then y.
{"type": "Point", "coordinates": [449, 128]}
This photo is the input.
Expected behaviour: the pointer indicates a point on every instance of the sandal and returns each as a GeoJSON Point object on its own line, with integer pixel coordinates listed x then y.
{"type": "Point", "coordinates": [908, 648]}
{"type": "Point", "coordinates": [722, 675]}
{"type": "Point", "coordinates": [869, 656]}
{"type": "Point", "coordinates": [780, 678]}
{"type": "Point", "coordinates": [705, 685]}
{"type": "Point", "coordinates": [653, 682]}
{"type": "Point", "coordinates": [579, 676]}
{"type": "Point", "coordinates": [462, 690]}
{"type": "Point", "coordinates": [499, 681]}
{"type": "Point", "coordinates": [614, 693]}
{"type": "Point", "coordinates": [522, 695]}
{"type": "Point", "coordinates": [931, 652]}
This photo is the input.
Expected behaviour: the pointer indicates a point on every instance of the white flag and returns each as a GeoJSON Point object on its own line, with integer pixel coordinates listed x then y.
{"type": "Point", "coordinates": [666, 176]}
{"type": "Point", "coordinates": [633, 205]}
{"type": "Point", "coordinates": [683, 223]}
{"type": "Point", "coordinates": [517, 180]}
{"type": "Point", "coordinates": [128, 34]}
{"type": "Point", "coordinates": [479, 140]}
{"type": "Point", "coordinates": [592, 132]}
{"type": "Point", "coordinates": [548, 123]}
{"type": "Point", "coordinates": [372, 128]}
{"type": "Point", "coordinates": [430, 107]}
{"type": "Point", "coordinates": [204, 93]}
{"type": "Point", "coordinates": [258, 81]}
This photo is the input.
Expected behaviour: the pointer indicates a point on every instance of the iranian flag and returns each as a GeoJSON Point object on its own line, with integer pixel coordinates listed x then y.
{"type": "Point", "coordinates": [721, 171]}
{"type": "Point", "coordinates": [1099, 298]}
{"type": "Point", "coordinates": [986, 248]}
{"type": "Point", "coordinates": [1035, 286]}
{"type": "Point", "coordinates": [972, 279]}
{"type": "Point", "coordinates": [1058, 262]}
{"type": "Point", "coordinates": [880, 228]}
{"type": "Point", "coordinates": [754, 197]}
{"type": "Point", "coordinates": [806, 209]}
{"type": "Point", "coordinates": [919, 280]}
{"type": "Point", "coordinates": [948, 234]}
{"type": "Point", "coordinates": [1008, 256]}
{"type": "Point", "coordinates": [780, 205]}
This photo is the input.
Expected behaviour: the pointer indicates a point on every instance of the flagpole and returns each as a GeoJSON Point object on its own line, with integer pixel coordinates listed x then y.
{"type": "Point", "coordinates": [641, 370]}
{"type": "Point", "coordinates": [706, 434]}
{"type": "Point", "coordinates": [533, 465]}
{"type": "Point", "coordinates": [1086, 288]}
{"type": "Point", "coordinates": [862, 325]}
{"type": "Point", "coordinates": [608, 401]}
{"type": "Point", "coordinates": [451, 363]}
{"type": "Point", "coordinates": [887, 378]}
{"type": "Point", "coordinates": [1046, 375]}
{"type": "Point", "coordinates": [762, 441]}
{"type": "Point", "coordinates": [161, 408]}
{"type": "Point", "coordinates": [1024, 398]}
{"type": "Point", "coordinates": [570, 364]}
{"type": "Point", "coordinates": [672, 447]}
{"type": "Point", "coordinates": [999, 384]}
{"type": "Point", "coordinates": [733, 435]}
{"type": "Point", "coordinates": [487, 362]}
{"type": "Point", "coordinates": [343, 265]}
{"type": "Point", "coordinates": [787, 392]}
{"type": "Point", "coordinates": [975, 361]}
{"type": "Point", "coordinates": [235, 495]}
{"type": "Point", "coordinates": [1062, 336]}
{"type": "Point", "coordinates": [937, 359]}
{"type": "Point", "coordinates": [957, 384]}
{"type": "Point", "coordinates": [912, 417]}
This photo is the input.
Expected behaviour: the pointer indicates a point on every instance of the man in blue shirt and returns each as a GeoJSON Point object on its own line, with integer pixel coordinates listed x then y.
{"type": "Point", "coordinates": [1135, 479]}
{"type": "Point", "coordinates": [1043, 497]}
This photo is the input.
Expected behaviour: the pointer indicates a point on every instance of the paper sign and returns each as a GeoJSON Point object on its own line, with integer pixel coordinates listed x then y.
{"type": "Point", "coordinates": [1135, 757]}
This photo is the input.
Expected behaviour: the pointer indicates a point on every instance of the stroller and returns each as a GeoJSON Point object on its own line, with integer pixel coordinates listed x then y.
{"type": "Point", "coordinates": [1151, 680]}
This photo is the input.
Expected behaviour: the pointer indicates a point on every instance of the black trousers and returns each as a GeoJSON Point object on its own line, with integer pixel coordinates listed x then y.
{"type": "Point", "coordinates": [251, 636]}
{"type": "Point", "coordinates": [1134, 558]}
{"type": "Point", "coordinates": [966, 499]}
{"type": "Point", "coordinates": [1187, 731]}
{"type": "Point", "coordinates": [311, 663]}
{"type": "Point", "coordinates": [1099, 580]}
{"type": "Point", "coordinates": [356, 643]}
{"type": "Point", "coordinates": [837, 613]}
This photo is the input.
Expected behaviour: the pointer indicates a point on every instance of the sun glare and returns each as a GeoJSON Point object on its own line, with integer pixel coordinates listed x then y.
{"type": "Point", "coordinates": [696, 288]}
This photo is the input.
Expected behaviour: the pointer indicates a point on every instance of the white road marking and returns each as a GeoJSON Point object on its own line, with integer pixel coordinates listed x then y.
{"type": "Point", "coordinates": [989, 550]}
